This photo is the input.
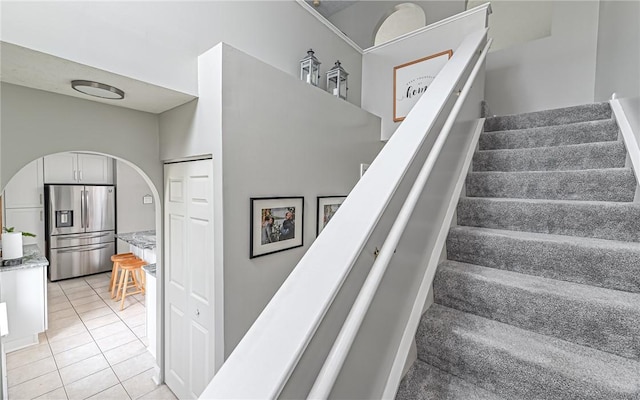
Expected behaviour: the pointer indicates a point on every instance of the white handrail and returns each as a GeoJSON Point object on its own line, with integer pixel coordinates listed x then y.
{"type": "Point", "coordinates": [335, 360]}
{"type": "Point", "coordinates": [631, 139]}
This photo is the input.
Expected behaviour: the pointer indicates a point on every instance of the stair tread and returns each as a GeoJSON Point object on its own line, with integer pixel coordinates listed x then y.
{"type": "Point", "coordinates": [566, 157]}
{"type": "Point", "coordinates": [600, 318]}
{"type": "Point", "coordinates": [610, 184]}
{"type": "Point", "coordinates": [425, 382]}
{"type": "Point", "coordinates": [599, 219]}
{"type": "Point", "coordinates": [516, 362]}
{"type": "Point", "coordinates": [551, 117]}
{"type": "Point", "coordinates": [552, 238]}
{"type": "Point", "coordinates": [570, 147]}
{"type": "Point", "coordinates": [550, 136]}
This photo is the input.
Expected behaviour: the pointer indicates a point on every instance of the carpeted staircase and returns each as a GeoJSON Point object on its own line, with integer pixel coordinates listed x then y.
{"type": "Point", "coordinates": [540, 295]}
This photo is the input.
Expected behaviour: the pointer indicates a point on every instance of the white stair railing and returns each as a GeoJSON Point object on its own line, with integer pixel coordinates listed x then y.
{"type": "Point", "coordinates": [399, 206]}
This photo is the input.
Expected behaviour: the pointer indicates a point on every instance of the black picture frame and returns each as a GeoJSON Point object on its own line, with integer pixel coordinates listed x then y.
{"type": "Point", "coordinates": [282, 232]}
{"type": "Point", "coordinates": [326, 207]}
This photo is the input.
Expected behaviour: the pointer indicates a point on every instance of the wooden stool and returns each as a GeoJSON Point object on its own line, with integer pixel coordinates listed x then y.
{"type": "Point", "coordinates": [131, 273]}
{"type": "Point", "coordinates": [116, 258]}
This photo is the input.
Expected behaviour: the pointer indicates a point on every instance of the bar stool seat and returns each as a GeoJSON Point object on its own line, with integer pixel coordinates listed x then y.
{"type": "Point", "coordinates": [131, 273]}
{"type": "Point", "coordinates": [115, 270]}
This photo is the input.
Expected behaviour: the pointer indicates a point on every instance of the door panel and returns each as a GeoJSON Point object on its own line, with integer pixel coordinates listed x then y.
{"type": "Point", "coordinates": [100, 208]}
{"type": "Point", "coordinates": [65, 198]}
{"type": "Point", "coordinates": [83, 260]}
{"type": "Point", "coordinates": [189, 271]}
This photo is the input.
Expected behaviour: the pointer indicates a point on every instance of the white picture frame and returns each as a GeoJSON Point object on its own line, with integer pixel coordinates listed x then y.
{"type": "Point", "coordinates": [269, 236]}
{"type": "Point", "coordinates": [327, 207]}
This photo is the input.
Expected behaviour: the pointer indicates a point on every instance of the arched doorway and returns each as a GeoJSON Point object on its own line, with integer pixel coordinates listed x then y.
{"type": "Point", "coordinates": [403, 18]}
{"type": "Point", "coordinates": [99, 334]}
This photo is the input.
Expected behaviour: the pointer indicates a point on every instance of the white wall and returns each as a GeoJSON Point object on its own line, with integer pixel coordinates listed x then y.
{"type": "Point", "coordinates": [554, 71]}
{"type": "Point", "coordinates": [361, 20]}
{"type": "Point", "coordinates": [378, 62]}
{"type": "Point", "coordinates": [618, 59]}
{"type": "Point", "coordinates": [159, 42]}
{"type": "Point", "coordinates": [133, 215]}
{"type": "Point", "coordinates": [276, 136]}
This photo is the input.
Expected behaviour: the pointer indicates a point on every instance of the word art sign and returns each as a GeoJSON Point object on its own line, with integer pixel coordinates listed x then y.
{"type": "Point", "coordinates": [412, 79]}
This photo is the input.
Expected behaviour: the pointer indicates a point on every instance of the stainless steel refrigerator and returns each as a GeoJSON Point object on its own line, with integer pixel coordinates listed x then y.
{"type": "Point", "coordinates": [80, 229]}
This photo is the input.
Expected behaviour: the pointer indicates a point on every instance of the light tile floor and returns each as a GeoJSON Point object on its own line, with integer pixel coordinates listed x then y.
{"type": "Point", "coordinates": [92, 350]}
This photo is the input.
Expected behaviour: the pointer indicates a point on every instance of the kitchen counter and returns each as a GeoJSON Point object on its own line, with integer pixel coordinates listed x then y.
{"type": "Point", "coordinates": [143, 239]}
{"type": "Point", "coordinates": [32, 258]}
{"type": "Point", "coordinates": [150, 269]}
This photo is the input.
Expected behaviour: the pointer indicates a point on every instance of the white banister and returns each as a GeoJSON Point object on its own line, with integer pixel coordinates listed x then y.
{"type": "Point", "coordinates": [333, 364]}
{"type": "Point", "coordinates": [284, 349]}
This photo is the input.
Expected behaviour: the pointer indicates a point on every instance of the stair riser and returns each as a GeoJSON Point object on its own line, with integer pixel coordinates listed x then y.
{"type": "Point", "coordinates": [598, 265]}
{"type": "Point", "coordinates": [592, 185]}
{"type": "Point", "coordinates": [616, 221]}
{"type": "Point", "coordinates": [514, 365]}
{"type": "Point", "coordinates": [568, 115]}
{"type": "Point", "coordinates": [585, 132]}
{"type": "Point", "coordinates": [563, 310]}
{"type": "Point", "coordinates": [564, 158]}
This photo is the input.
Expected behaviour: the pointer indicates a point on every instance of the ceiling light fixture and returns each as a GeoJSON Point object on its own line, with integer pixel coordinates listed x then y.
{"type": "Point", "coordinates": [97, 89]}
{"type": "Point", "coordinates": [316, 3]}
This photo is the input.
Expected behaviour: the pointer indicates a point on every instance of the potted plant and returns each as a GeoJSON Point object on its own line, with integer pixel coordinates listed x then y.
{"type": "Point", "coordinates": [12, 243]}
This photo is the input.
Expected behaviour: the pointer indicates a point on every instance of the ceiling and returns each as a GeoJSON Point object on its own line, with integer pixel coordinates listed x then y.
{"type": "Point", "coordinates": [30, 68]}
{"type": "Point", "coordinates": [329, 7]}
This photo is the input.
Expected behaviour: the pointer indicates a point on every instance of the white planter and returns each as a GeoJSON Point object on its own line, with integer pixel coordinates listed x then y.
{"type": "Point", "coordinates": [11, 245]}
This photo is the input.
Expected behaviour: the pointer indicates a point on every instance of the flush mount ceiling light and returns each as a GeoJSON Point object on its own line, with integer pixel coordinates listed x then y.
{"type": "Point", "coordinates": [97, 89]}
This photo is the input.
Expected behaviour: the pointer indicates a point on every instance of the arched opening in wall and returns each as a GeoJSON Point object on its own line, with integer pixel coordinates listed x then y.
{"type": "Point", "coordinates": [403, 18]}
{"type": "Point", "coordinates": [78, 229]}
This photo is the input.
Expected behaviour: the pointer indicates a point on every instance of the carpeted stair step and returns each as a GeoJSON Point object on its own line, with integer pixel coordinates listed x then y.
{"type": "Point", "coordinates": [577, 133]}
{"type": "Point", "coordinates": [518, 364]}
{"type": "Point", "coordinates": [615, 184]}
{"type": "Point", "coordinates": [604, 220]}
{"type": "Point", "coordinates": [603, 319]}
{"type": "Point", "coordinates": [598, 262]}
{"type": "Point", "coordinates": [559, 116]}
{"type": "Point", "coordinates": [424, 382]}
{"type": "Point", "coordinates": [570, 157]}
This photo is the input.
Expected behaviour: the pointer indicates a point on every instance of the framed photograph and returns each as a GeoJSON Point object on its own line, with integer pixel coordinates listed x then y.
{"type": "Point", "coordinates": [410, 81]}
{"type": "Point", "coordinates": [327, 206]}
{"type": "Point", "coordinates": [276, 224]}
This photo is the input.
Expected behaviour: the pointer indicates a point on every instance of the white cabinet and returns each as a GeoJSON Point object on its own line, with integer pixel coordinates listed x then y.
{"type": "Point", "coordinates": [25, 292]}
{"type": "Point", "coordinates": [25, 189]}
{"type": "Point", "coordinates": [27, 220]}
{"type": "Point", "coordinates": [78, 168]}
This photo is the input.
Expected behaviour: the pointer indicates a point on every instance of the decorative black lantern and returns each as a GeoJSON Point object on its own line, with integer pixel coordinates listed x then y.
{"type": "Point", "coordinates": [337, 81]}
{"type": "Point", "coordinates": [310, 69]}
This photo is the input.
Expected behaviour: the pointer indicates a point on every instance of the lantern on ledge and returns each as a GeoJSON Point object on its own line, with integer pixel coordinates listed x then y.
{"type": "Point", "coordinates": [310, 69]}
{"type": "Point", "coordinates": [337, 81]}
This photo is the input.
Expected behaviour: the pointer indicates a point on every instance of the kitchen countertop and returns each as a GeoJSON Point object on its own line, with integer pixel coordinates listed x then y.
{"type": "Point", "coordinates": [32, 258]}
{"type": "Point", "coordinates": [150, 269]}
{"type": "Point", "coordinates": [142, 239]}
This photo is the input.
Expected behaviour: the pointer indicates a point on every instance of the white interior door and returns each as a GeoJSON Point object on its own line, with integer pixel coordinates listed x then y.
{"type": "Point", "coordinates": [189, 278]}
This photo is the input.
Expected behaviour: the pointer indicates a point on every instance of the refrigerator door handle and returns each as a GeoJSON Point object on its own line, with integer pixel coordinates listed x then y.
{"type": "Point", "coordinates": [86, 209]}
{"type": "Point", "coordinates": [81, 251]}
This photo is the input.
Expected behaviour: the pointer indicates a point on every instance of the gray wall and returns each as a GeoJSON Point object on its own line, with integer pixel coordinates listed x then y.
{"type": "Point", "coordinates": [618, 59]}
{"type": "Point", "coordinates": [378, 62]}
{"type": "Point", "coordinates": [361, 20]}
{"type": "Point", "coordinates": [555, 71]}
{"type": "Point", "coordinates": [277, 136]}
{"type": "Point", "coordinates": [35, 123]}
{"type": "Point", "coordinates": [133, 214]}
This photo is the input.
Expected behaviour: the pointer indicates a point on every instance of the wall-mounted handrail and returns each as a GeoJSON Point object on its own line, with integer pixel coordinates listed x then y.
{"type": "Point", "coordinates": [334, 362]}
{"type": "Point", "coordinates": [630, 134]}
{"type": "Point", "coordinates": [289, 340]}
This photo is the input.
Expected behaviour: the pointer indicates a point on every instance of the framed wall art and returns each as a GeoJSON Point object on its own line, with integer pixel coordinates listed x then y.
{"type": "Point", "coordinates": [276, 224]}
{"type": "Point", "coordinates": [327, 206]}
{"type": "Point", "coordinates": [411, 80]}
